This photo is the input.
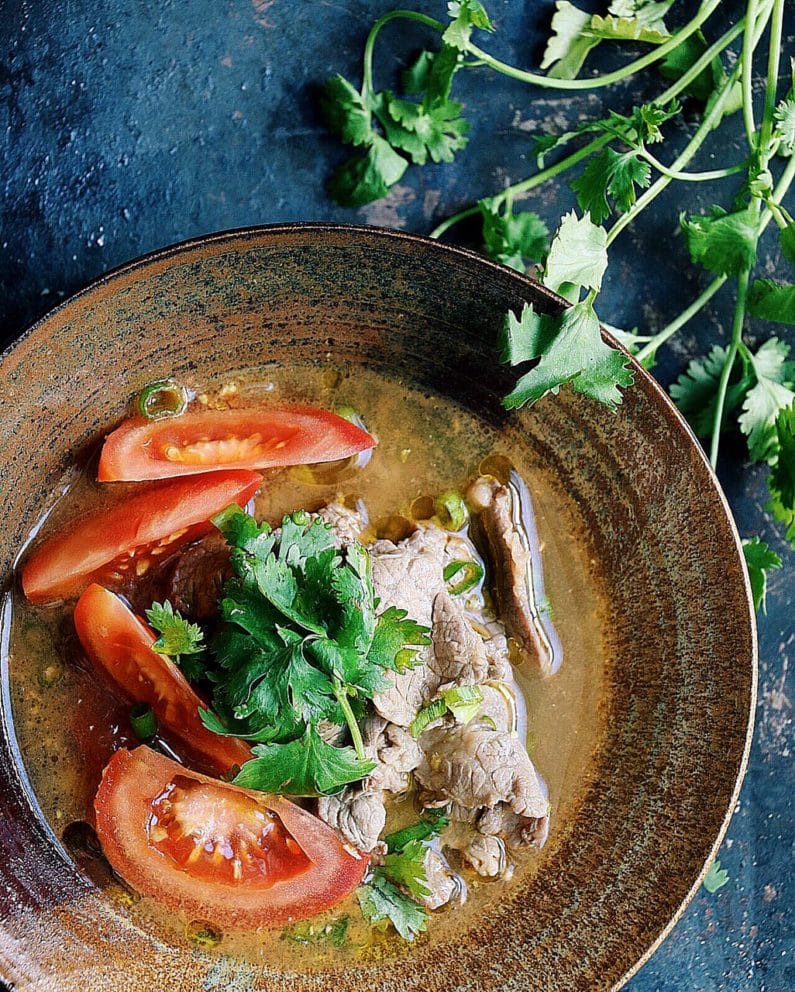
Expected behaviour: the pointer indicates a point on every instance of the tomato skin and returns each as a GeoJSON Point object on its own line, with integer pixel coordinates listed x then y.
{"type": "Point", "coordinates": [120, 644]}
{"type": "Point", "coordinates": [64, 564]}
{"type": "Point", "coordinates": [131, 783]}
{"type": "Point", "coordinates": [213, 440]}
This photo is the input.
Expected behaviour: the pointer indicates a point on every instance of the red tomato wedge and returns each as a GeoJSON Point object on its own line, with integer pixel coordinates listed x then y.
{"type": "Point", "coordinates": [215, 852]}
{"type": "Point", "coordinates": [120, 644]}
{"type": "Point", "coordinates": [130, 534]}
{"type": "Point", "coordinates": [222, 439]}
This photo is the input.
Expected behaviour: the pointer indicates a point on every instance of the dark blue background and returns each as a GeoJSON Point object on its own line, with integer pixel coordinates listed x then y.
{"type": "Point", "coordinates": [132, 125]}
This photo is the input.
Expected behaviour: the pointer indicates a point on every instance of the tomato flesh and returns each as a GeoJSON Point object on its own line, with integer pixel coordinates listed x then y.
{"type": "Point", "coordinates": [130, 535]}
{"type": "Point", "coordinates": [213, 440]}
{"type": "Point", "coordinates": [199, 825]}
{"type": "Point", "coordinates": [120, 645]}
{"type": "Point", "coordinates": [215, 852]}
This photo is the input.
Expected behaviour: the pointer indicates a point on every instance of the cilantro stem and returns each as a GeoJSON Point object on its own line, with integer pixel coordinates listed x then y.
{"type": "Point", "coordinates": [692, 177]}
{"type": "Point", "coordinates": [686, 315]}
{"type": "Point", "coordinates": [747, 77]}
{"type": "Point", "coordinates": [706, 11]}
{"type": "Point", "coordinates": [407, 15]}
{"type": "Point", "coordinates": [341, 694]}
{"type": "Point", "coordinates": [731, 355]}
{"type": "Point", "coordinates": [771, 85]}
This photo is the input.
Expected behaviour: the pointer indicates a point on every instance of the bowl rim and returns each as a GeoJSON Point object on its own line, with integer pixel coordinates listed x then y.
{"type": "Point", "coordinates": [675, 420]}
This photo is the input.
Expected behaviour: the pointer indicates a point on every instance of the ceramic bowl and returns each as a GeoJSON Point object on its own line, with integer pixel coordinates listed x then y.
{"type": "Point", "coordinates": [682, 672]}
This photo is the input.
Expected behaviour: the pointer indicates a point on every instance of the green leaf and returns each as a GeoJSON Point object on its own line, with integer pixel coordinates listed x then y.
{"type": "Point", "coordinates": [381, 900]}
{"type": "Point", "coordinates": [394, 632]}
{"type": "Point", "coordinates": [610, 175]}
{"type": "Point", "coordinates": [682, 58]}
{"type": "Point", "coordinates": [723, 243]}
{"type": "Point", "coordinates": [366, 178]}
{"type": "Point", "coordinates": [436, 131]}
{"type": "Point", "coordinates": [515, 239]}
{"type": "Point", "coordinates": [695, 391]}
{"type": "Point", "coordinates": [345, 112]}
{"type": "Point", "coordinates": [432, 74]}
{"type": "Point", "coordinates": [786, 238]}
{"type": "Point", "coordinates": [760, 559]}
{"type": "Point", "coordinates": [625, 29]}
{"type": "Point", "coordinates": [309, 932]}
{"type": "Point", "coordinates": [782, 477]}
{"type": "Point", "coordinates": [407, 868]}
{"type": "Point", "coordinates": [785, 126]}
{"type": "Point", "coordinates": [715, 878]}
{"type": "Point", "coordinates": [568, 46]}
{"type": "Point", "coordinates": [527, 336]}
{"type": "Point", "coordinates": [576, 354]}
{"type": "Point", "coordinates": [764, 401]}
{"type": "Point", "coordinates": [466, 14]}
{"type": "Point", "coordinates": [304, 767]}
{"type": "Point", "coordinates": [430, 826]}
{"type": "Point", "coordinates": [577, 256]}
{"type": "Point", "coordinates": [769, 300]}
{"type": "Point", "coordinates": [462, 701]}
{"type": "Point", "coordinates": [177, 635]}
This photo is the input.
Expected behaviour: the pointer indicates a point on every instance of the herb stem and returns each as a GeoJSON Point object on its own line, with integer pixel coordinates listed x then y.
{"type": "Point", "coordinates": [548, 82]}
{"type": "Point", "coordinates": [723, 384]}
{"type": "Point", "coordinates": [692, 177]}
{"type": "Point", "coordinates": [345, 705]}
{"type": "Point", "coordinates": [391, 15]}
{"type": "Point", "coordinates": [679, 322]}
{"type": "Point", "coordinates": [747, 62]}
{"type": "Point", "coordinates": [771, 84]}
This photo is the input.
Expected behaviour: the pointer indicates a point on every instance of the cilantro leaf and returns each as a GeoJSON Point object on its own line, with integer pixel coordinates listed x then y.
{"type": "Point", "coordinates": [568, 45]}
{"type": "Point", "coordinates": [423, 131]}
{"type": "Point", "coordinates": [759, 559]}
{"type": "Point", "coordinates": [784, 117]}
{"type": "Point", "coordinates": [406, 868]}
{"type": "Point", "coordinates": [571, 350]}
{"type": "Point", "coordinates": [177, 635]}
{"type": "Point", "coordinates": [513, 238]}
{"type": "Point", "coordinates": [380, 900]}
{"type": "Point", "coordinates": [466, 14]}
{"type": "Point", "coordinates": [303, 767]}
{"type": "Point", "coordinates": [430, 826]}
{"type": "Point", "coordinates": [368, 177]}
{"type": "Point", "coordinates": [616, 28]}
{"type": "Point", "coordinates": [695, 391]}
{"type": "Point", "coordinates": [769, 300]}
{"type": "Point", "coordinates": [786, 237]}
{"type": "Point", "coordinates": [432, 73]}
{"type": "Point", "coordinates": [395, 633]}
{"type": "Point", "coordinates": [614, 175]}
{"type": "Point", "coordinates": [462, 701]}
{"type": "Point", "coordinates": [782, 477]}
{"type": "Point", "coordinates": [346, 112]}
{"type": "Point", "coordinates": [764, 401]}
{"type": "Point", "coordinates": [682, 58]}
{"type": "Point", "coordinates": [715, 878]}
{"type": "Point", "coordinates": [721, 242]}
{"type": "Point", "coordinates": [577, 256]}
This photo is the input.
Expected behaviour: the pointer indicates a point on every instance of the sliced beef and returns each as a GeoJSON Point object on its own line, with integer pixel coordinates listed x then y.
{"type": "Point", "coordinates": [444, 884]}
{"type": "Point", "coordinates": [505, 521]}
{"type": "Point", "coordinates": [486, 853]}
{"type": "Point", "coordinates": [397, 754]}
{"type": "Point", "coordinates": [408, 575]}
{"type": "Point", "coordinates": [476, 766]}
{"type": "Point", "coordinates": [500, 706]}
{"type": "Point", "coordinates": [195, 577]}
{"type": "Point", "coordinates": [347, 524]}
{"type": "Point", "coordinates": [517, 831]}
{"type": "Point", "coordinates": [459, 654]}
{"type": "Point", "coordinates": [358, 814]}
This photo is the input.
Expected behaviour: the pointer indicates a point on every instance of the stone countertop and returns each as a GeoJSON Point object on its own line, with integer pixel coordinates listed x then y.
{"type": "Point", "coordinates": [130, 126]}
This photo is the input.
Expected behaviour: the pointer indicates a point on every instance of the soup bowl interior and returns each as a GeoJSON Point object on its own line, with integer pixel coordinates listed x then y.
{"type": "Point", "coordinates": [680, 678]}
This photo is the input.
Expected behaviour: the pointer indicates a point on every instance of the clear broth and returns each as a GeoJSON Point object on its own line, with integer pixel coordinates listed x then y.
{"type": "Point", "coordinates": [426, 444]}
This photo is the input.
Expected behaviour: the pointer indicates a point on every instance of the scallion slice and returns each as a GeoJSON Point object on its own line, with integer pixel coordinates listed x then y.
{"type": "Point", "coordinates": [451, 510]}
{"type": "Point", "coordinates": [143, 721]}
{"type": "Point", "coordinates": [164, 398]}
{"type": "Point", "coordinates": [461, 576]}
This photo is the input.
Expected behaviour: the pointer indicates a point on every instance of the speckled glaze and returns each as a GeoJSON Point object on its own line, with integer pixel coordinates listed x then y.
{"type": "Point", "coordinates": [683, 671]}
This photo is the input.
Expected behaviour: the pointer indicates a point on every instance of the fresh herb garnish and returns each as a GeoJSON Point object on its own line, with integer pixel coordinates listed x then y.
{"type": "Point", "coordinates": [463, 701]}
{"type": "Point", "coordinates": [164, 398]}
{"type": "Point", "coordinates": [143, 721]}
{"type": "Point", "coordinates": [388, 894]}
{"type": "Point", "coordinates": [301, 643]}
{"type": "Point", "coordinates": [330, 934]}
{"type": "Point", "coordinates": [462, 575]}
{"type": "Point", "coordinates": [715, 878]}
{"type": "Point", "coordinates": [180, 639]}
{"type": "Point", "coordinates": [760, 559]}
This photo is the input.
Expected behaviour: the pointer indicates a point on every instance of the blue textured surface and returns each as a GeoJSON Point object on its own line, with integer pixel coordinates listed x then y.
{"type": "Point", "coordinates": [129, 126]}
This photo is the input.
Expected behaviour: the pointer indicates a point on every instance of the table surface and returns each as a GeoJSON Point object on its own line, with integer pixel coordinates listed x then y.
{"type": "Point", "coordinates": [129, 126]}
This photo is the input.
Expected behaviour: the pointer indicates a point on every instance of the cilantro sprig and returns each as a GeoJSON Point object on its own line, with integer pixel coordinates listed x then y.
{"type": "Point", "coordinates": [300, 644]}
{"type": "Point", "coordinates": [180, 639]}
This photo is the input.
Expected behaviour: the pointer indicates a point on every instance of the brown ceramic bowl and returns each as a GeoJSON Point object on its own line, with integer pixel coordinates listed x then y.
{"type": "Point", "coordinates": [683, 675]}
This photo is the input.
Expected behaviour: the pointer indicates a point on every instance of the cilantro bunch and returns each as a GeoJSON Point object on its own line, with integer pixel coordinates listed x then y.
{"type": "Point", "coordinates": [299, 652]}
{"type": "Point", "coordinates": [616, 171]}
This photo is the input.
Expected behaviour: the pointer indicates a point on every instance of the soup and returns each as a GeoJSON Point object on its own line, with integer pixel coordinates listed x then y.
{"type": "Point", "coordinates": [69, 722]}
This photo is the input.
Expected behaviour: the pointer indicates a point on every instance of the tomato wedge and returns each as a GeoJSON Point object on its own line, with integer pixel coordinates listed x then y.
{"type": "Point", "coordinates": [104, 544]}
{"type": "Point", "coordinates": [215, 852]}
{"type": "Point", "coordinates": [120, 644]}
{"type": "Point", "coordinates": [222, 439]}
